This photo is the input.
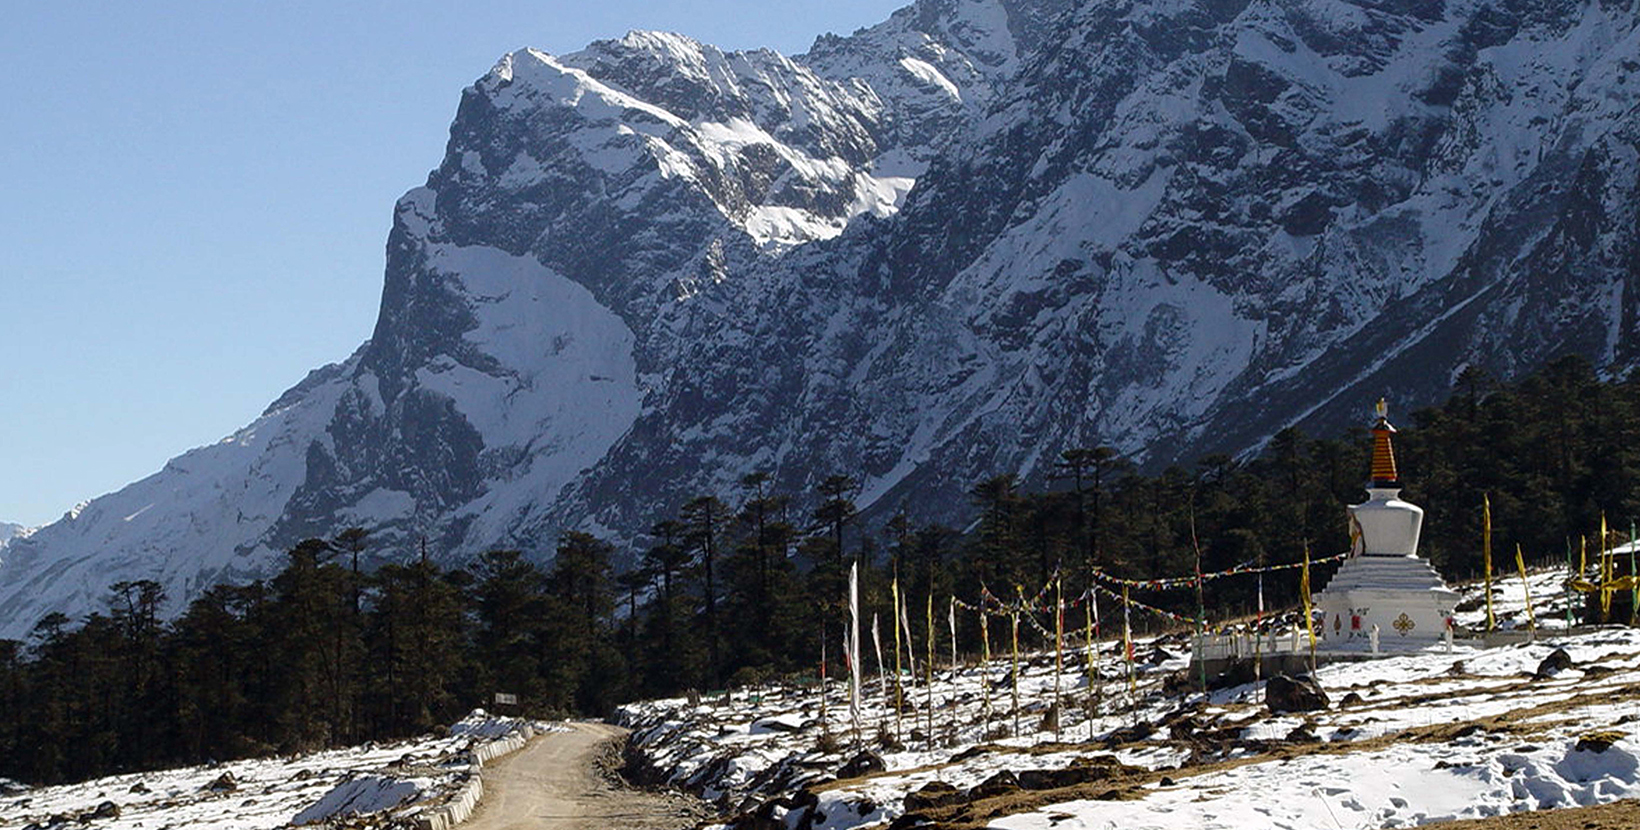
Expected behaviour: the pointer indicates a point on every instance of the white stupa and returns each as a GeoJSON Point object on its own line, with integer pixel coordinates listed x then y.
{"type": "Point", "coordinates": [1384, 583]}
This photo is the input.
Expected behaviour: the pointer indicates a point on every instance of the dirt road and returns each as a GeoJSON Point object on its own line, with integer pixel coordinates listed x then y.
{"type": "Point", "coordinates": [556, 782]}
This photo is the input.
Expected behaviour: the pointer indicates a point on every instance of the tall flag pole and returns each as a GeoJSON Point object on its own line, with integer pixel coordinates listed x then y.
{"type": "Point", "coordinates": [1634, 579]}
{"type": "Point", "coordinates": [1127, 639]}
{"type": "Point", "coordinates": [1014, 620]}
{"type": "Point", "coordinates": [1201, 604]}
{"type": "Point", "coordinates": [1258, 632]}
{"type": "Point", "coordinates": [825, 724]}
{"type": "Point", "coordinates": [951, 624]}
{"type": "Point", "coordinates": [1058, 649]}
{"type": "Point", "coordinates": [854, 648]}
{"type": "Point", "coordinates": [928, 671]}
{"type": "Point", "coordinates": [1520, 562]}
{"type": "Point", "coordinates": [910, 646]}
{"type": "Point", "coordinates": [1570, 578]}
{"type": "Point", "coordinates": [1486, 557]}
{"type": "Point", "coordinates": [985, 664]}
{"type": "Point", "coordinates": [1605, 573]}
{"type": "Point", "coordinates": [899, 690]}
{"type": "Point", "coordinates": [1304, 593]}
{"type": "Point", "coordinates": [882, 676]}
{"type": "Point", "coordinates": [1093, 658]}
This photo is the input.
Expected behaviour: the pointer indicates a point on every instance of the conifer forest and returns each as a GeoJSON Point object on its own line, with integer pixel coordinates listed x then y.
{"type": "Point", "coordinates": [736, 588]}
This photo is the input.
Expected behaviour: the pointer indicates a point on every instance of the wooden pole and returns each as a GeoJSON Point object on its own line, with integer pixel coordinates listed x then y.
{"type": "Point", "coordinates": [1014, 618]}
{"type": "Point", "coordinates": [1058, 652]}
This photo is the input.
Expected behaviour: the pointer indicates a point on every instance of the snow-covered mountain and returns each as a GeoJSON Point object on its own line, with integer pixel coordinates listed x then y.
{"type": "Point", "coordinates": [948, 245]}
{"type": "Point", "coordinates": [10, 531]}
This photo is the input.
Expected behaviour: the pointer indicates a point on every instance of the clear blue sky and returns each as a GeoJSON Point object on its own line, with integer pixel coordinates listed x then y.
{"type": "Point", "coordinates": [195, 198]}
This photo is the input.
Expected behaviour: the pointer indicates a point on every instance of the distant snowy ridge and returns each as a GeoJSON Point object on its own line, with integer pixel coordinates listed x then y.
{"type": "Point", "coordinates": [10, 531]}
{"type": "Point", "coordinates": [946, 246]}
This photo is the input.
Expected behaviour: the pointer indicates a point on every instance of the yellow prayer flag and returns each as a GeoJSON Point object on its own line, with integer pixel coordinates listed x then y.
{"type": "Point", "coordinates": [1520, 562]}
{"type": "Point", "coordinates": [1486, 557]}
{"type": "Point", "coordinates": [1304, 594]}
{"type": "Point", "coordinates": [1605, 572]}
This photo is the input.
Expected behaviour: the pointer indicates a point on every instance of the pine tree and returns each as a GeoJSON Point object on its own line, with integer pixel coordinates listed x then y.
{"type": "Point", "coordinates": [705, 521]}
{"type": "Point", "coordinates": [508, 601]}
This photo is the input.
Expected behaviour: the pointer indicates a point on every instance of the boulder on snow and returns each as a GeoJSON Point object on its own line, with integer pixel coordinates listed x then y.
{"type": "Point", "coordinates": [1597, 741]}
{"type": "Point", "coordinates": [1129, 734]}
{"type": "Point", "coordinates": [778, 723]}
{"type": "Point", "coordinates": [1304, 733]}
{"type": "Point", "coordinates": [1000, 784]}
{"type": "Point", "coordinates": [1084, 770]}
{"type": "Point", "coordinates": [1557, 661]}
{"type": "Point", "coordinates": [224, 783]}
{"type": "Point", "coordinates": [931, 795]}
{"type": "Point", "coordinates": [865, 763]}
{"type": "Point", "coordinates": [1285, 693]}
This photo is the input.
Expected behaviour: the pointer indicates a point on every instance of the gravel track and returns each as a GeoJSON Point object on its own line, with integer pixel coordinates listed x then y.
{"type": "Point", "coordinates": [560, 781]}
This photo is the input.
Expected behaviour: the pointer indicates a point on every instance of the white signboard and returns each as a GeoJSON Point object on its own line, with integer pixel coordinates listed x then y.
{"type": "Point", "coordinates": [505, 699]}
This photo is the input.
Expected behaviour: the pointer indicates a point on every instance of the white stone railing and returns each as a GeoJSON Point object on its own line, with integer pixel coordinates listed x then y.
{"type": "Point", "coordinates": [461, 805]}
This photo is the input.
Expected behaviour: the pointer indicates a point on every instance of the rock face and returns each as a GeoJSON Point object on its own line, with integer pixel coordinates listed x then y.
{"type": "Point", "coordinates": [948, 245]}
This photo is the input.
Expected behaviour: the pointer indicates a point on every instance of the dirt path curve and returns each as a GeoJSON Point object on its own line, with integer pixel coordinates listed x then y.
{"type": "Point", "coordinates": [555, 782]}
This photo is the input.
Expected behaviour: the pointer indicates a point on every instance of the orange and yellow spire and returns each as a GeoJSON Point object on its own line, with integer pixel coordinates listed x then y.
{"type": "Point", "coordinates": [1383, 453]}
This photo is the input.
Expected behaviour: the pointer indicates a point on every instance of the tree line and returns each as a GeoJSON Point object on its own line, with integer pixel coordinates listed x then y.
{"type": "Point", "coordinates": [740, 587]}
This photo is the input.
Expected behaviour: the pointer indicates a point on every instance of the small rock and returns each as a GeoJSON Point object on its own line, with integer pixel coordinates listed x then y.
{"type": "Point", "coordinates": [107, 809]}
{"type": "Point", "coordinates": [224, 783]}
{"type": "Point", "coordinates": [1557, 661]}
{"type": "Point", "coordinates": [140, 788]}
{"type": "Point", "coordinates": [1050, 720]}
{"type": "Point", "coordinates": [1352, 699]}
{"type": "Point", "coordinates": [1304, 733]}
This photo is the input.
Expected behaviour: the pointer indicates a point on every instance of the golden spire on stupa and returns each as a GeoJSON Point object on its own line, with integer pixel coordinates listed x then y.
{"type": "Point", "coordinates": [1383, 453]}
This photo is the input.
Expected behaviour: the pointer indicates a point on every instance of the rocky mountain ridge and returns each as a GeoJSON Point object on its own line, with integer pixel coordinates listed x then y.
{"type": "Point", "coordinates": [945, 246]}
{"type": "Point", "coordinates": [10, 531]}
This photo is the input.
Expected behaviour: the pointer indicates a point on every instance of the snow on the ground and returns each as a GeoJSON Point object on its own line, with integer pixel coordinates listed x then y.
{"type": "Point", "coordinates": [403, 777]}
{"type": "Point", "coordinates": [1442, 734]}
